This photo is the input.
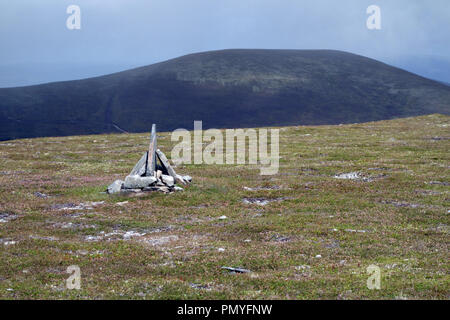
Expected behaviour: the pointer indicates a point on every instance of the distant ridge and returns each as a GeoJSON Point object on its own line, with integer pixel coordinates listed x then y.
{"type": "Point", "coordinates": [228, 88]}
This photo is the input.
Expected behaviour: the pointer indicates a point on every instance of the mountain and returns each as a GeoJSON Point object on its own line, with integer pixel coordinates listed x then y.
{"type": "Point", "coordinates": [429, 66]}
{"type": "Point", "coordinates": [229, 88]}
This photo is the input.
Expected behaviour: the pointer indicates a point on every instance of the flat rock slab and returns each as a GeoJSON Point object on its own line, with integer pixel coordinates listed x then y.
{"type": "Point", "coordinates": [137, 182]}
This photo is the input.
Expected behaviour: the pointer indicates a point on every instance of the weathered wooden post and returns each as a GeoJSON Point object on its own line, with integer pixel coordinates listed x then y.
{"type": "Point", "coordinates": [151, 158]}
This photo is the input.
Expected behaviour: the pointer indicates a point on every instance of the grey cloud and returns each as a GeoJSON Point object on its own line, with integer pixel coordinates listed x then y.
{"type": "Point", "coordinates": [119, 34]}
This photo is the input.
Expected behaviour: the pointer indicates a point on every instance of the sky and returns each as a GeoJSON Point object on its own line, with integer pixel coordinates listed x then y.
{"type": "Point", "coordinates": [37, 47]}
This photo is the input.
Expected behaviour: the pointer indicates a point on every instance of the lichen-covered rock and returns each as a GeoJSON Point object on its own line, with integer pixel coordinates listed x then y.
{"type": "Point", "coordinates": [115, 187]}
{"type": "Point", "coordinates": [137, 182]}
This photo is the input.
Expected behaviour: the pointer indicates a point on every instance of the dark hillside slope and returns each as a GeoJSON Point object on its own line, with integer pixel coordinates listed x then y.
{"type": "Point", "coordinates": [229, 88]}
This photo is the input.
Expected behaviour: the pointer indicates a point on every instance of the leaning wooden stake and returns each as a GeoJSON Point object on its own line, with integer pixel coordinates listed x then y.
{"type": "Point", "coordinates": [151, 159]}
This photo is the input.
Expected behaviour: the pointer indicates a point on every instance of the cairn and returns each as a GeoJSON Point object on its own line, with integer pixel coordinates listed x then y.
{"type": "Point", "coordinates": [153, 172]}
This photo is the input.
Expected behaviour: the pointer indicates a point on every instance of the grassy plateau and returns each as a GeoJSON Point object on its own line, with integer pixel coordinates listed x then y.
{"type": "Point", "coordinates": [315, 240]}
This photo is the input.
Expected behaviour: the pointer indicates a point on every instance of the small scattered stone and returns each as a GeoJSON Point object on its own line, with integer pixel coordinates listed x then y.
{"type": "Point", "coordinates": [7, 242]}
{"type": "Point", "coordinates": [358, 231]}
{"type": "Point", "coordinates": [41, 195]}
{"type": "Point", "coordinates": [236, 270]}
{"type": "Point", "coordinates": [198, 286]}
{"type": "Point", "coordinates": [279, 238]}
{"type": "Point", "coordinates": [302, 267]}
{"type": "Point", "coordinates": [348, 176]}
{"type": "Point", "coordinates": [258, 201]}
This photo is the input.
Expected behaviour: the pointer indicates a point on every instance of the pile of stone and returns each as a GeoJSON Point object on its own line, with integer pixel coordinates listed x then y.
{"type": "Point", "coordinates": [153, 172]}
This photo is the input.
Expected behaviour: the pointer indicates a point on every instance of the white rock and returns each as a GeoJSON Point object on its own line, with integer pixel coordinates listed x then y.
{"type": "Point", "coordinates": [168, 180]}
{"type": "Point", "coordinates": [348, 176]}
{"type": "Point", "coordinates": [115, 187]}
{"type": "Point", "coordinates": [319, 256]}
{"type": "Point", "coordinates": [221, 249]}
{"type": "Point", "coordinates": [222, 217]}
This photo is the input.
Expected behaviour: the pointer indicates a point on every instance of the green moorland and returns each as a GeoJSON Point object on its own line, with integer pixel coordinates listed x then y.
{"type": "Point", "coordinates": [166, 246]}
